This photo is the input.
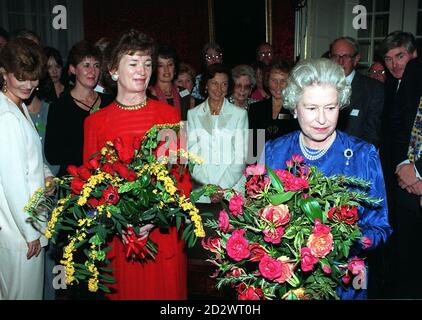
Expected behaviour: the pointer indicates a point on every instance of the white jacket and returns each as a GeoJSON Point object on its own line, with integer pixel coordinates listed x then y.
{"type": "Point", "coordinates": [222, 142]}
{"type": "Point", "coordinates": [22, 172]}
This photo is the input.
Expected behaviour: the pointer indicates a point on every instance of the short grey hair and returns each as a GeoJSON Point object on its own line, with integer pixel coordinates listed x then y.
{"type": "Point", "coordinates": [352, 41]}
{"type": "Point", "coordinates": [315, 72]}
{"type": "Point", "coordinates": [244, 70]}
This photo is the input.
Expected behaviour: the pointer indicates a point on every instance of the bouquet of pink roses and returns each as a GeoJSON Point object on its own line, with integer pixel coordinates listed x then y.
{"type": "Point", "coordinates": [291, 236]}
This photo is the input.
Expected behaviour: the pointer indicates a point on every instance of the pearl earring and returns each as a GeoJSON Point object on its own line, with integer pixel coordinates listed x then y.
{"type": "Point", "coordinates": [294, 116]}
{"type": "Point", "coordinates": [115, 76]}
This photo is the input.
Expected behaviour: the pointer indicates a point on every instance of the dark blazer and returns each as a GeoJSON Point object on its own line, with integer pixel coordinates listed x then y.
{"type": "Point", "coordinates": [261, 117]}
{"type": "Point", "coordinates": [362, 118]}
{"type": "Point", "coordinates": [398, 119]}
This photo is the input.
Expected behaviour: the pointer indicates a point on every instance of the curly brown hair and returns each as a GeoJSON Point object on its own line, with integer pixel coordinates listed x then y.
{"type": "Point", "coordinates": [24, 59]}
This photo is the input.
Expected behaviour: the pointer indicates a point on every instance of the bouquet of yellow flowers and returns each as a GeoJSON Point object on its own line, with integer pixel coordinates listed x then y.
{"type": "Point", "coordinates": [291, 235]}
{"type": "Point", "coordinates": [123, 187]}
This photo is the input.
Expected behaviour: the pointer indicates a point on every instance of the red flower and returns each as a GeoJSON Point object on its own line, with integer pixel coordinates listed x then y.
{"type": "Point", "coordinates": [110, 195]}
{"type": "Point", "coordinates": [73, 170]}
{"type": "Point", "coordinates": [236, 205]}
{"type": "Point", "coordinates": [291, 182]}
{"type": "Point", "coordinates": [257, 252]}
{"type": "Point", "coordinates": [107, 167]}
{"type": "Point", "coordinates": [345, 214]}
{"type": "Point", "coordinates": [94, 163]}
{"type": "Point", "coordinates": [277, 215]}
{"type": "Point", "coordinates": [137, 143]}
{"type": "Point", "coordinates": [356, 266]}
{"type": "Point", "coordinates": [273, 235]}
{"type": "Point", "coordinates": [84, 173]}
{"type": "Point", "coordinates": [212, 244]}
{"type": "Point", "coordinates": [307, 260]}
{"type": "Point", "coordinates": [249, 293]}
{"type": "Point", "coordinates": [320, 228]}
{"type": "Point", "coordinates": [223, 221]}
{"type": "Point", "coordinates": [124, 150]}
{"type": "Point", "coordinates": [237, 246]}
{"type": "Point", "coordinates": [77, 185]}
{"type": "Point", "coordinates": [93, 202]}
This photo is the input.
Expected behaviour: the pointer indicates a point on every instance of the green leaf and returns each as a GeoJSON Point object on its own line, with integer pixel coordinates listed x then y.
{"type": "Point", "coordinates": [280, 198]}
{"type": "Point", "coordinates": [178, 222]}
{"type": "Point", "coordinates": [275, 180]}
{"type": "Point", "coordinates": [311, 208]}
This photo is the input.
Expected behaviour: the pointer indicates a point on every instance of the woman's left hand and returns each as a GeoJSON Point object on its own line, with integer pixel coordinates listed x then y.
{"type": "Point", "coordinates": [50, 186]}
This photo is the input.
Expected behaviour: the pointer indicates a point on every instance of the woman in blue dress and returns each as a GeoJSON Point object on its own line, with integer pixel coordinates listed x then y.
{"type": "Point", "coordinates": [316, 92]}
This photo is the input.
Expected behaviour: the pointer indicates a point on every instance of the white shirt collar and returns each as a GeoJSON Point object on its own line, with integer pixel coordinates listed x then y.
{"type": "Point", "coordinates": [350, 77]}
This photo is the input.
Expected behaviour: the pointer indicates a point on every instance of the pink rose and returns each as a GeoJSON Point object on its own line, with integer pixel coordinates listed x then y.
{"type": "Point", "coordinates": [320, 228]}
{"type": "Point", "coordinates": [366, 242]}
{"type": "Point", "coordinates": [237, 246]}
{"type": "Point", "coordinates": [278, 215]}
{"type": "Point", "coordinates": [286, 272]}
{"type": "Point", "coordinates": [270, 268]}
{"type": "Point", "coordinates": [307, 260]}
{"type": "Point", "coordinates": [253, 170]}
{"type": "Point", "coordinates": [289, 164]}
{"type": "Point", "coordinates": [236, 205]}
{"type": "Point", "coordinates": [223, 221]}
{"type": "Point", "coordinates": [320, 245]}
{"type": "Point", "coordinates": [356, 266]}
{"type": "Point", "coordinates": [273, 235]}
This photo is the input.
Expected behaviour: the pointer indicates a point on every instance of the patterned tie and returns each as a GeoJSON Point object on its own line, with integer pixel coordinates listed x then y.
{"type": "Point", "coordinates": [415, 146]}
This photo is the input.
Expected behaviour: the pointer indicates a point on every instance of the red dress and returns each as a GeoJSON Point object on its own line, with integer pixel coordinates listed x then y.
{"type": "Point", "coordinates": [164, 278]}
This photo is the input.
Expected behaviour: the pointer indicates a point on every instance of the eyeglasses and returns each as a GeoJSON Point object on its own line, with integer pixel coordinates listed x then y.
{"type": "Point", "coordinates": [209, 57]}
{"type": "Point", "coordinates": [265, 53]}
{"type": "Point", "coordinates": [344, 57]}
{"type": "Point", "coordinates": [240, 86]}
{"type": "Point", "coordinates": [382, 72]}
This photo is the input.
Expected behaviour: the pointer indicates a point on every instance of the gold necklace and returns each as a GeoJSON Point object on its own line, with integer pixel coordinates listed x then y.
{"type": "Point", "coordinates": [134, 107]}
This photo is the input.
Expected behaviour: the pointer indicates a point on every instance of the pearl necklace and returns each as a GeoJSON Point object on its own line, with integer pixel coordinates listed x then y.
{"type": "Point", "coordinates": [131, 108]}
{"type": "Point", "coordinates": [311, 154]}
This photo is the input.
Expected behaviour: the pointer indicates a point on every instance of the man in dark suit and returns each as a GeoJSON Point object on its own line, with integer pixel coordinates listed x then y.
{"type": "Point", "coordinates": [401, 164]}
{"type": "Point", "coordinates": [362, 118]}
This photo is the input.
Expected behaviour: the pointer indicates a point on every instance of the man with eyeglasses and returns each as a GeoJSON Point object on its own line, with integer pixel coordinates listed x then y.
{"type": "Point", "coordinates": [400, 154]}
{"type": "Point", "coordinates": [377, 71]}
{"type": "Point", "coordinates": [265, 53]}
{"type": "Point", "coordinates": [211, 54]}
{"type": "Point", "coordinates": [362, 118]}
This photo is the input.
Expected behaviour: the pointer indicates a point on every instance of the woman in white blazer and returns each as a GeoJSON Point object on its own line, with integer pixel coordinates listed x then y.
{"type": "Point", "coordinates": [22, 172]}
{"type": "Point", "coordinates": [218, 133]}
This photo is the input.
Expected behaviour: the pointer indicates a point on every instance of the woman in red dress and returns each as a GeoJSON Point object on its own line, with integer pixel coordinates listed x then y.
{"type": "Point", "coordinates": [130, 63]}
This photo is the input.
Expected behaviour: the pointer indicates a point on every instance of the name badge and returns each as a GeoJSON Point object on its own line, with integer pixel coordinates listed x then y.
{"type": "Point", "coordinates": [284, 116]}
{"type": "Point", "coordinates": [354, 112]}
{"type": "Point", "coordinates": [184, 93]}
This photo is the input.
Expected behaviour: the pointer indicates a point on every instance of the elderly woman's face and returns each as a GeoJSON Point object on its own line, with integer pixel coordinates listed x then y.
{"type": "Point", "coordinates": [277, 81]}
{"type": "Point", "coordinates": [19, 89]}
{"type": "Point", "coordinates": [317, 113]}
{"type": "Point", "coordinates": [134, 72]}
{"type": "Point", "coordinates": [242, 88]}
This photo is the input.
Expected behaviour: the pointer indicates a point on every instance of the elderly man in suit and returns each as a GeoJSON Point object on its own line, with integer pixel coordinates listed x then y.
{"type": "Point", "coordinates": [362, 118]}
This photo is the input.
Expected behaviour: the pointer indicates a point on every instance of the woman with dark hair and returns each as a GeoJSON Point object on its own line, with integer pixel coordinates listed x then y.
{"type": "Point", "coordinates": [163, 88]}
{"type": "Point", "coordinates": [64, 135]}
{"type": "Point", "coordinates": [53, 85]}
{"type": "Point", "coordinates": [217, 132]}
{"type": "Point", "coordinates": [130, 63]}
{"type": "Point", "coordinates": [22, 172]}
